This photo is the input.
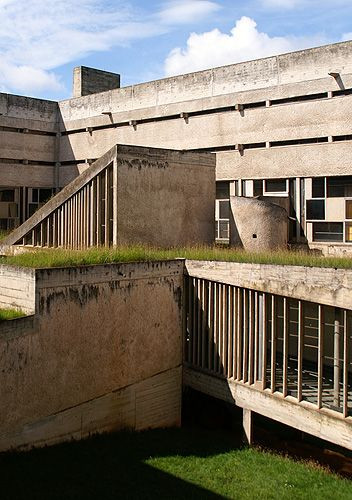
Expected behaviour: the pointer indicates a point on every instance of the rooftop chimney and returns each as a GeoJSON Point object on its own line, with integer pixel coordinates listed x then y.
{"type": "Point", "coordinates": [92, 81]}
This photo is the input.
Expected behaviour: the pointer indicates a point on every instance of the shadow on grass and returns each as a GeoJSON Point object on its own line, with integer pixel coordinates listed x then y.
{"type": "Point", "coordinates": [109, 466]}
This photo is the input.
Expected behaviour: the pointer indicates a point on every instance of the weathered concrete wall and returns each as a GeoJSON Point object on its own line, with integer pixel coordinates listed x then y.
{"type": "Point", "coordinates": [107, 342]}
{"type": "Point", "coordinates": [275, 123]}
{"type": "Point", "coordinates": [151, 196]}
{"type": "Point", "coordinates": [165, 198]}
{"type": "Point", "coordinates": [28, 108]}
{"type": "Point", "coordinates": [88, 81]}
{"type": "Point", "coordinates": [257, 225]}
{"type": "Point", "coordinates": [28, 129]}
{"type": "Point", "coordinates": [291, 161]}
{"type": "Point", "coordinates": [329, 286]}
{"type": "Point", "coordinates": [17, 288]}
{"type": "Point", "coordinates": [299, 66]}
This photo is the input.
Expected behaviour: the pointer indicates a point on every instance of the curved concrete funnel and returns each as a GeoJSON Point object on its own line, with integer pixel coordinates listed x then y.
{"type": "Point", "coordinates": [257, 225]}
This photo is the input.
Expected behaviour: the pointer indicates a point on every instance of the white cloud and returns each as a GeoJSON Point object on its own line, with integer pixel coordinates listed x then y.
{"type": "Point", "coordinates": [245, 42]}
{"type": "Point", "coordinates": [292, 4]}
{"type": "Point", "coordinates": [286, 4]}
{"type": "Point", "coordinates": [38, 36]}
{"type": "Point", "coordinates": [26, 79]}
{"type": "Point", "coordinates": [185, 11]}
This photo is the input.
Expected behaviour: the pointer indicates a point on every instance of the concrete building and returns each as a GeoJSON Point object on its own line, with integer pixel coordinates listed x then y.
{"type": "Point", "coordinates": [280, 128]}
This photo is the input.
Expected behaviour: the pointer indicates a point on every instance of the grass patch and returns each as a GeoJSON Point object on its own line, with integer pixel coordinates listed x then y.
{"type": "Point", "coordinates": [10, 314]}
{"type": "Point", "coordinates": [3, 234]}
{"type": "Point", "coordinates": [102, 255]}
{"type": "Point", "coordinates": [163, 464]}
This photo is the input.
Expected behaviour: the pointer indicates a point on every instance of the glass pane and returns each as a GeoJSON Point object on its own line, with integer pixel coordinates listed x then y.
{"type": "Point", "coordinates": [35, 195]}
{"type": "Point", "coordinates": [318, 187]}
{"type": "Point", "coordinates": [257, 188]}
{"type": "Point", "coordinates": [44, 195]}
{"type": "Point", "coordinates": [339, 186]}
{"type": "Point", "coordinates": [275, 185]}
{"type": "Point", "coordinates": [7, 195]}
{"type": "Point", "coordinates": [223, 229]}
{"type": "Point", "coordinates": [328, 231]}
{"type": "Point", "coordinates": [348, 209]}
{"type": "Point", "coordinates": [222, 190]}
{"type": "Point", "coordinates": [224, 209]}
{"type": "Point", "coordinates": [349, 231]}
{"type": "Point", "coordinates": [315, 209]}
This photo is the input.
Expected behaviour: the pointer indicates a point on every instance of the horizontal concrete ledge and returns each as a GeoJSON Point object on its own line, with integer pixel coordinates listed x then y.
{"type": "Point", "coordinates": [305, 417]}
{"type": "Point", "coordinates": [328, 286]}
{"type": "Point", "coordinates": [106, 273]}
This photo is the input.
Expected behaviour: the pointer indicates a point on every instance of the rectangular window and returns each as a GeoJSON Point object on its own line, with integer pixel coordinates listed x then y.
{"type": "Point", "coordinates": [223, 230]}
{"type": "Point", "coordinates": [315, 209]}
{"type": "Point", "coordinates": [327, 231]}
{"type": "Point", "coordinates": [276, 186]}
{"type": "Point", "coordinates": [224, 209]}
{"type": "Point", "coordinates": [349, 231]}
{"type": "Point", "coordinates": [44, 195]}
{"type": "Point", "coordinates": [222, 190]}
{"type": "Point", "coordinates": [7, 195]}
{"type": "Point", "coordinates": [258, 188]}
{"type": "Point", "coordinates": [339, 187]}
{"type": "Point", "coordinates": [35, 196]}
{"type": "Point", "coordinates": [348, 209]}
{"type": "Point", "coordinates": [318, 187]}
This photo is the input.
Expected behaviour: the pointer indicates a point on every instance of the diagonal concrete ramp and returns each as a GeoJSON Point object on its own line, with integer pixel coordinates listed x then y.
{"type": "Point", "coordinates": [130, 195]}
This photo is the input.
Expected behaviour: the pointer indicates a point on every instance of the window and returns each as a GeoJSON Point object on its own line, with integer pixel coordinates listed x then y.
{"type": "Point", "coordinates": [327, 231]}
{"type": "Point", "coordinates": [348, 209]}
{"type": "Point", "coordinates": [44, 195]}
{"type": "Point", "coordinates": [275, 186]}
{"type": "Point", "coordinates": [315, 210]}
{"type": "Point", "coordinates": [224, 209]}
{"type": "Point", "coordinates": [7, 195]}
{"type": "Point", "coordinates": [318, 187]}
{"type": "Point", "coordinates": [257, 188]}
{"type": "Point", "coordinates": [339, 187]}
{"type": "Point", "coordinates": [222, 219]}
{"type": "Point", "coordinates": [222, 190]}
{"type": "Point", "coordinates": [348, 232]}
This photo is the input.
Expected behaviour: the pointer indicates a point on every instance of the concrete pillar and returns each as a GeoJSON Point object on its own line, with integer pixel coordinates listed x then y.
{"type": "Point", "coordinates": [247, 426]}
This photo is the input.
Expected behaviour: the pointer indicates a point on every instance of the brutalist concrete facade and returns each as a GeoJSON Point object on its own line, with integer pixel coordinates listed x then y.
{"type": "Point", "coordinates": [280, 127]}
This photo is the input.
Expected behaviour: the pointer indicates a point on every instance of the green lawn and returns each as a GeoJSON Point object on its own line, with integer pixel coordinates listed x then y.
{"type": "Point", "coordinates": [10, 314]}
{"type": "Point", "coordinates": [188, 463]}
{"type": "Point", "coordinates": [60, 258]}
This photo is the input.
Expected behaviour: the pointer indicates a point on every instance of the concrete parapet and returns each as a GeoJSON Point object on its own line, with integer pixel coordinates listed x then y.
{"type": "Point", "coordinates": [257, 225]}
{"type": "Point", "coordinates": [102, 352]}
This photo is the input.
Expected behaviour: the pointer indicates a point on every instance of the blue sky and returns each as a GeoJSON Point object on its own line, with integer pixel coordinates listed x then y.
{"type": "Point", "coordinates": [41, 41]}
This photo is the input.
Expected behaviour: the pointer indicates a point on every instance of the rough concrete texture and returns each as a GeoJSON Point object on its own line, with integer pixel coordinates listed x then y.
{"type": "Point", "coordinates": [299, 66]}
{"type": "Point", "coordinates": [332, 287]}
{"type": "Point", "coordinates": [96, 331]}
{"type": "Point", "coordinates": [88, 81]}
{"type": "Point", "coordinates": [257, 225]}
{"type": "Point", "coordinates": [17, 288]}
{"type": "Point", "coordinates": [165, 198]}
{"type": "Point", "coordinates": [160, 197]}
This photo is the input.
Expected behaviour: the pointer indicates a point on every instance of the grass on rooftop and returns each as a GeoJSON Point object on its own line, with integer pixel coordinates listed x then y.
{"type": "Point", "coordinates": [10, 314]}
{"type": "Point", "coordinates": [3, 234]}
{"type": "Point", "coordinates": [164, 464]}
{"type": "Point", "coordinates": [102, 255]}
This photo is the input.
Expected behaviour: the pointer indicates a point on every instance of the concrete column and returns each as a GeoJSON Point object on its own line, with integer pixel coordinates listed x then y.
{"type": "Point", "coordinates": [114, 203]}
{"type": "Point", "coordinates": [247, 426]}
{"type": "Point", "coordinates": [232, 186]}
{"type": "Point", "coordinates": [298, 209]}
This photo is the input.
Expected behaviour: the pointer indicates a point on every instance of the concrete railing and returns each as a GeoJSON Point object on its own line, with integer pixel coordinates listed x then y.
{"type": "Point", "coordinates": [272, 342]}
